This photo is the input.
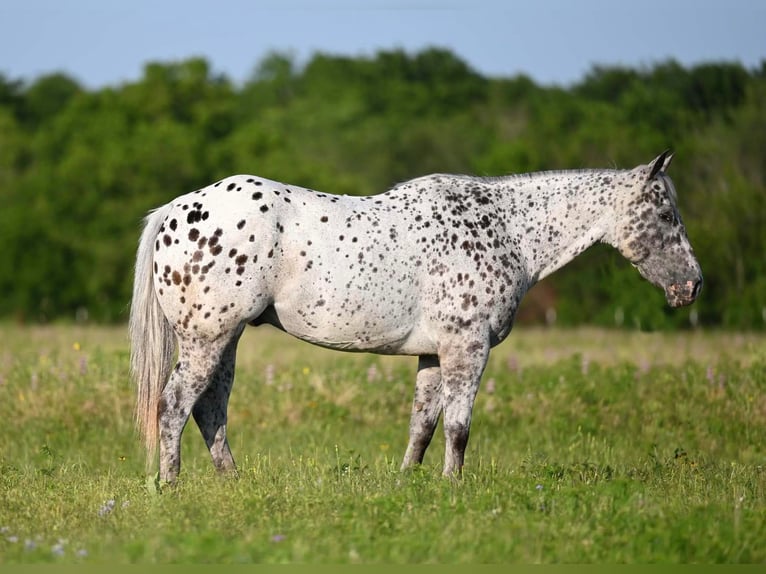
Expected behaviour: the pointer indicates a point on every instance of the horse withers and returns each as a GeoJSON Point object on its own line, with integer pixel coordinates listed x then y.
{"type": "Point", "coordinates": [435, 267]}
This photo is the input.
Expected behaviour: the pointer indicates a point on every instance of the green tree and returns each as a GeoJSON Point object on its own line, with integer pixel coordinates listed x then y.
{"type": "Point", "coordinates": [79, 168]}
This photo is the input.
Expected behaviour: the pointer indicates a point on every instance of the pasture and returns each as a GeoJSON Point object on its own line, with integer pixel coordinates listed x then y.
{"type": "Point", "coordinates": [586, 446]}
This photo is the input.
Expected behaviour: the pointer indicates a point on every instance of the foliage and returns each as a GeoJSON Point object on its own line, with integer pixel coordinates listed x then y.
{"type": "Point", "coordinates": [79, 168]}
{"type": "Point", "coordinates": [577, 454]}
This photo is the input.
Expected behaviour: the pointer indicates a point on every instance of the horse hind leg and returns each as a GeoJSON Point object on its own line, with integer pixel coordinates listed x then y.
{"type": "Point", "coordinates": [210, 410]}
{"type": "Point", "coordinates": [198, 362]}
{"type": "Point", "coordinates": [426, 407]}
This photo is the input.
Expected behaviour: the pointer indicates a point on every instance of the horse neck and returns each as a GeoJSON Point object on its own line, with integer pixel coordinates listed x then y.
{"type": "Point", "coordinates": [555, 216]}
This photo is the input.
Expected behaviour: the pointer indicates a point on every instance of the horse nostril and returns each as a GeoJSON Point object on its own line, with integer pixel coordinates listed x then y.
{"type": "Point", "coordinates": [697, 288]}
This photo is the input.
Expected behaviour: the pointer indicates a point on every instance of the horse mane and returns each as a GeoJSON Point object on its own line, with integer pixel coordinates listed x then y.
{"type": "Point", "coordinates": [531, 174]}
{"type": "Point", "coordinates": [490, 179]}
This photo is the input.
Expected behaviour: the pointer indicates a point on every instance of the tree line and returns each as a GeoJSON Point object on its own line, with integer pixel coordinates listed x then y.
{"type": "Point", "coordinates": [80, 167]}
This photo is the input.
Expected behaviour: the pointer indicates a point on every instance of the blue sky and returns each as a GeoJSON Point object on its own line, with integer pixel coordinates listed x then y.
{"type": "Point", "coordinates": [103, 42]}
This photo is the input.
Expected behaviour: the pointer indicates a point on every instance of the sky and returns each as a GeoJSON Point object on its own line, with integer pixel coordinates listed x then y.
{"type": "Point", "coordinates": [107, 43]}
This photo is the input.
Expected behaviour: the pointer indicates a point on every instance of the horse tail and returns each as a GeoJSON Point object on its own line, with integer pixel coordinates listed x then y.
{"type": "Point", "coordinates": [152, 340]}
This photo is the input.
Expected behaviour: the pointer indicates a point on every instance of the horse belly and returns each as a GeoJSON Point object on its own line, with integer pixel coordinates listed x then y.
{"type": "Point", "coordinates": [354, 320]}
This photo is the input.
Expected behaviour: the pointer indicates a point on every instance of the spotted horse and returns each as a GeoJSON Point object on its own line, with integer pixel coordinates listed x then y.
{"type": "Point", "coordinates": [435, 267]}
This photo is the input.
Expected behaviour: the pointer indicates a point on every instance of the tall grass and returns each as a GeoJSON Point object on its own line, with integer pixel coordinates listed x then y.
{"type": "Point", "coordinates": [587, 446]}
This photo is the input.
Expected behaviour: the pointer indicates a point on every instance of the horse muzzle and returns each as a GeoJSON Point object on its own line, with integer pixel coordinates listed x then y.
{"type": "Point", "coordinates": [681, 294]}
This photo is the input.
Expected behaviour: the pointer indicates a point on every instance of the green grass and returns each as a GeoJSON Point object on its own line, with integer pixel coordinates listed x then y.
{"type": "Point", "coordinates": [587, 446]}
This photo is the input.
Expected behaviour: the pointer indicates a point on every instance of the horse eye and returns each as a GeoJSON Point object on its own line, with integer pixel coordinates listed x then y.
{"type": "Point", "coordinates": [667, 216]}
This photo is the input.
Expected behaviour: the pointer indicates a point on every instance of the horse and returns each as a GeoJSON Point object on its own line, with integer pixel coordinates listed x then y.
{"type": "Point", "coordinates": [435, 268]}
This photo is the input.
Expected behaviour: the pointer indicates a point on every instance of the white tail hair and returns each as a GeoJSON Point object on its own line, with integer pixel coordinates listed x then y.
{"type": "Point", "coordinates": [152, 340]}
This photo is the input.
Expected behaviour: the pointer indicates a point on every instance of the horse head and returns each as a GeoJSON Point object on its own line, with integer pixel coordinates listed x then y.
{"type": "Point", "coordinates": [651, 235]}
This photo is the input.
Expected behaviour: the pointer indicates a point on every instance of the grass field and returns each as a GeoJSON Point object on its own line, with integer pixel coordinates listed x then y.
{"type": "Point", "coordinates": [586, 446]}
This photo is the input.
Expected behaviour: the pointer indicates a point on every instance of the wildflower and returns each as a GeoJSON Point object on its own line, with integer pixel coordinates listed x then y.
{"type": "Point", "coordinates": [719, 383]}
{"type": "Point", "coordinates": [489, 386]}
{"type": "Point", "coordinates": [76, 346]}
{"type": "Point", "coordinates": [643, 368]}
{"type": "Point", "coordinates": [106, 508]}
{"type": "Point", "coordinates": [278, 538]}
{"type": "Point", "coordinates": [82, 553]}
{"type": "Point", "coordinates": [57, 549]}
{"type": "Point", "coordinates": [269, 374]}
{"type": "Point", "coordinates": [306, 370]}
{"type": "Point", "coordinates": [539, 487]}
{"type": "Point", "coordinates": [29, 545]}
{"type": "Point", "coordinates": [12, 539]}
{"type": "Point", "coordinates": [372, 374]}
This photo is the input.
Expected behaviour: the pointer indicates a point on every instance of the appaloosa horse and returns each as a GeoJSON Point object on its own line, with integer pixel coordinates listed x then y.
{"type": "Point", "coordinates": [435, 267]}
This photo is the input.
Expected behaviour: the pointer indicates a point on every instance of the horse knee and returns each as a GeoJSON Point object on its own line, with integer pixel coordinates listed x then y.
{"type": "Point", "coordinates": [456, 435]}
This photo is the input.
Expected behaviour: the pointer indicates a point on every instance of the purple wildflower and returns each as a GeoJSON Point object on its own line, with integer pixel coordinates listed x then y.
{"type": "Point", "coordinates": [269, 374]}
{"type": "Point", "coordinates": [372, 374]}
{"type": "Point", "coordinates": [106, 508]}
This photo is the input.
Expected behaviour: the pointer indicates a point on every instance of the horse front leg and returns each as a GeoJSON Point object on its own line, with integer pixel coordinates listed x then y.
{"type": "Point", "coordinates": [462, 364]}
{"type": "Point", "coordinates": [426, 407]}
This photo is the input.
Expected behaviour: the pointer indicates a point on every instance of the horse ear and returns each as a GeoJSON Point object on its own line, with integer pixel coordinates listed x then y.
{"type": "Point", "coordinates": [660, 163]}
